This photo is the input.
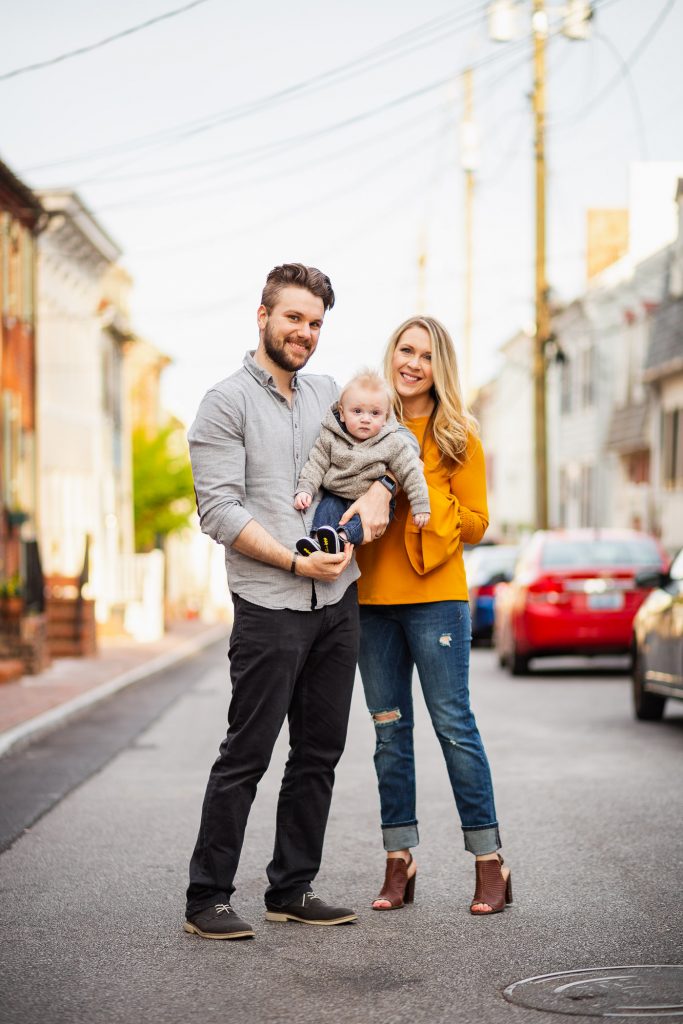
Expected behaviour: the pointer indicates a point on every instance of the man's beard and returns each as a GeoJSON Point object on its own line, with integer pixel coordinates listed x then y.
{"type": "Point", "coordinates": [277, 351]}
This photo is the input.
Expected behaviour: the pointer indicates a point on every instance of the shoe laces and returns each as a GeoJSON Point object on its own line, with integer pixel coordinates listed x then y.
{"type": "Point", "coordinates": [224, 908]}
{"type": "Point", "coordinates": [309, 896]}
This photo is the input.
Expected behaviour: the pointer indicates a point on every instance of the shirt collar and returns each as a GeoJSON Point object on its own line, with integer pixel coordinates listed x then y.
{"type": "Point", "coordinates": [262, 376]}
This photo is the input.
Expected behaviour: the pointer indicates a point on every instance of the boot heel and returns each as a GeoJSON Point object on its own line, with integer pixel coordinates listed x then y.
{"type": "Point", "coordinates": [398, 889]}
{"type": "Point", "coordinates": [272, 916]}
{"type": "Point", "coordinates": [409, 893]}
{"type": "Point", "coordinates": [493, 888]}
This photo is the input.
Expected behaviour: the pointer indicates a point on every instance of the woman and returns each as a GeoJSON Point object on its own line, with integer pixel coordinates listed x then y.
{"type": "Point", "coordinates": [415, 613]}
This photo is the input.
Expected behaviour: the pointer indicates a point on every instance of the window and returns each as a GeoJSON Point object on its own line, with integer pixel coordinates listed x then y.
{"type": "Point", "coordinates": [4, 261]}
{"type": "Point", "coordinates": [637, 466]}
{"type": "Point", "coordinates": [566, 387]}
{"type": "Point", "coordinates": [563, 496]}
{"type": "Point", "coordinates": [587, 377]}
{"type": "Point", "coordinates": [27, 252]}
{"type": "Point", "coordinates": [601, 552]}
{"type": "Point", "coordinates": [676, 570]}
{"type": "Point", "coordinates": [672, 448]}
{"type": "Point", "coordinates": [586, 485]}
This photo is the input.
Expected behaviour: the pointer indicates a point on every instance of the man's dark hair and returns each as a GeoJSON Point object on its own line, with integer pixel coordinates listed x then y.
{"type": "Point", "coordinates": [296, 274]}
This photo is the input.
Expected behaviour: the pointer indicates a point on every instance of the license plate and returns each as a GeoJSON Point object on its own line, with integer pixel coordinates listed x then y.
{"type": "Point", "coordinates": [605, 602]}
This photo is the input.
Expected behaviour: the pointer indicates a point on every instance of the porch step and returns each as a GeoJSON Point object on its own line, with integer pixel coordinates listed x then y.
{"type": "Point", "coordinates": [72, 649]}
{"type": "Point", "coordinates": [71, 629]}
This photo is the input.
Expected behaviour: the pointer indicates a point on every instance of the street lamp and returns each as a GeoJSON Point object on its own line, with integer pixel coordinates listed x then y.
{"type": "Point", "coordinates": [503, 18]}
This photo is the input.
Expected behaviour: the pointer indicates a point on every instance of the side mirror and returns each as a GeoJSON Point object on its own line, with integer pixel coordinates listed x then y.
{"type": "Point", "coordinates": [651, 578]}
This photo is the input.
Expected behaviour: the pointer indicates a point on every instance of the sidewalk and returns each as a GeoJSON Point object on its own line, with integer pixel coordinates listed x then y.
{"type": "Point", "coordinates": [36, 703]}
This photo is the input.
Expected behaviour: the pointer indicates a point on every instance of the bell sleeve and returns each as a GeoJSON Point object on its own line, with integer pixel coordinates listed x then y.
{"type": "Point", "coordinates": [458, 516]}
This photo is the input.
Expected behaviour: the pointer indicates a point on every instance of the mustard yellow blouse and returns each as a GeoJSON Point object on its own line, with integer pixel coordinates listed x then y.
{"type": "Point", "coordinates": [412, 566]}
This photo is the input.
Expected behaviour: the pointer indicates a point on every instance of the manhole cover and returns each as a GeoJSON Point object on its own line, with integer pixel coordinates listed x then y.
{"type": "Point", "coordinates": [652, 990]}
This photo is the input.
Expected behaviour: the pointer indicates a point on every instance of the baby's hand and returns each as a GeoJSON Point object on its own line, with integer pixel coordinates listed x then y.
{"type": "Point", "coordinates": [421, 519]}
{"type": "Point", "coordinates": [302, 500]}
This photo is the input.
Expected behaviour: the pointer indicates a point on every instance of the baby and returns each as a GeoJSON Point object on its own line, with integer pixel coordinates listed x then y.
{"type": "Point", "coordinates": [359, 442]}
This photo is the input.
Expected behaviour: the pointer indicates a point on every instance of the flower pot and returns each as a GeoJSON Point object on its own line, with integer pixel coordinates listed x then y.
{"type": "Point", "coordinates": [12, 607]}
{"type": "Point", "coordinates": [16, 517]}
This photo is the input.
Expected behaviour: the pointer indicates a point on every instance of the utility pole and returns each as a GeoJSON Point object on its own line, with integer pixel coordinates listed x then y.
{"type": "Point", "coordinates": [468, 150]}
{"type": "Point", "coordinates": [576, 16]}
{"type": "Point", "coordinates": [542, 333]}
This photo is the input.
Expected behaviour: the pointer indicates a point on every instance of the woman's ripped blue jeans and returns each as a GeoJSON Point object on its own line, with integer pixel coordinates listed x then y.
{"type": "Point", "coordinates": [435, 638]}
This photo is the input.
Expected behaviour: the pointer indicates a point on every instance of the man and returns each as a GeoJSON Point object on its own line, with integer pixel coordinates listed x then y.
{"type": "Point", "coordinates": [294, 641]}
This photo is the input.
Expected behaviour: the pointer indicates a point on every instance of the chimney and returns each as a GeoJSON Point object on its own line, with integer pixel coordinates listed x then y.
{"type": "Point", "coordinates": [606, 239]}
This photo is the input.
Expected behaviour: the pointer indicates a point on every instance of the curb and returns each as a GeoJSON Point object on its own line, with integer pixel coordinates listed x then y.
{"type": "Point", "coordinates": [32, 727]}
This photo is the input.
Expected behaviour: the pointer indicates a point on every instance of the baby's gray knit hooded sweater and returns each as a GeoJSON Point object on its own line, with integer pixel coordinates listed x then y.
{"type": "Point", "coordinates": [345, 466]}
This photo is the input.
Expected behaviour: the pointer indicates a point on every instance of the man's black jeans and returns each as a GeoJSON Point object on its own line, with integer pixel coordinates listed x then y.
{"type": "Point", "coordinates": [298, 665]}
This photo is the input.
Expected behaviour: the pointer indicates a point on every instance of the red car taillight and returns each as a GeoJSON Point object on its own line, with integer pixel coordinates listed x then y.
{"type": "Point", "coordinates": [485, 591]}
{"type": "Point", "coordinates": [547, 590]}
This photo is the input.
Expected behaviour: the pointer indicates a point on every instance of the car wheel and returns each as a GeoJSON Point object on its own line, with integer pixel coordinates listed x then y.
{"type": "Point", "coordinates": [648, 707]}
{"type": "Point", "coordinates": [518, 663]}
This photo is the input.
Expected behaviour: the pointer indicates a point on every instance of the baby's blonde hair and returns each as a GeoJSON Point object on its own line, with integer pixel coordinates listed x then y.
{"type": "Point", "coordinates": [370, 379]}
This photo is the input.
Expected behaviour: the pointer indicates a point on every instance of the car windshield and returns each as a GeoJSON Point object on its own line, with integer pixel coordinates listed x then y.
{"type": "Point", "coordinates": [603, 552]}
{"type": "Point", "coordinates": [488, 562]}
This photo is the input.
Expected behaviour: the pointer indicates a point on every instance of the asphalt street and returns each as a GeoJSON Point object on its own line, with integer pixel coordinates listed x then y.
{"type": "Point", "coordinates": [590, 807]}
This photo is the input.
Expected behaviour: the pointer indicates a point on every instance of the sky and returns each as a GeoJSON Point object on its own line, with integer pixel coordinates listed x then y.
{"type": "Point", "coordinates": [229, 138]}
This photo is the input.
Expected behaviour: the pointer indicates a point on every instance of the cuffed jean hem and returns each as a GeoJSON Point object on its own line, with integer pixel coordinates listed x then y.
{"type": "Point", "coordinates": [401, 837]}
{"type": "Point", "coordinates": [480, 841]}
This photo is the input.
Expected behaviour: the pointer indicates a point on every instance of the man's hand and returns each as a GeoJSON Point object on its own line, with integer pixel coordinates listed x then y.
{"type": "Point", "coordinates": [373, 509]}
{"type": "Point", "coordinates": [302, 500]}
{"type": "Point", "coordinates": [320, 566]}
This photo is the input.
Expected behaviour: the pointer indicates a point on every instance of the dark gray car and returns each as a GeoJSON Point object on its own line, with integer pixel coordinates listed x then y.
{"type": "Point", "coordinates": [658, 642]}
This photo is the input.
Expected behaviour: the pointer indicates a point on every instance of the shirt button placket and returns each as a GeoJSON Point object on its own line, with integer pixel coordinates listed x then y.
{"type": "Point", "coordinates": [297, 434]}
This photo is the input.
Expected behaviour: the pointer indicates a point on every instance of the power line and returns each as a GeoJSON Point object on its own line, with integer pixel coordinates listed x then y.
{"type": "Point", "coordinates": [207, 122]}
{"type": "Point", "coordinates": [633, 92]}
{"type": "Point", "coordinates": [268, 150]}
{"type": "Point", "coordinates": [102, 42]}
{"type": "Point", "coordinates": [624, 69]}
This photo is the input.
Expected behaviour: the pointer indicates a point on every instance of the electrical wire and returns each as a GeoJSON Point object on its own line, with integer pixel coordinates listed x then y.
{"type": "Point", "coordinates": [623, 73]}
{"type": "Point", "coordinates": [207, 122]}
{"type": "Point", "coordinates": [269, 150]}
{"type": "Point", "coordinates": [633, 93]}
{"type": "Point", "coordinates": [39, 65]}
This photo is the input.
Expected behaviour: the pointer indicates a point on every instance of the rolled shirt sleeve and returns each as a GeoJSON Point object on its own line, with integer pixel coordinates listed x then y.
{"type": "Point", "coordinates": [218, 455]}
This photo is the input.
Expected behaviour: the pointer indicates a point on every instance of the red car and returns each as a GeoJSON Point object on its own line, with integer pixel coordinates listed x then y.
{"type": "Point", "coordinates": [573, 592]}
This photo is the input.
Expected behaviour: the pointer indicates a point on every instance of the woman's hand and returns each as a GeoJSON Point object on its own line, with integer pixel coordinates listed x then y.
{"type": "Point", "coordinates": [320, 566]}
{"type": "Point", "coordinates": [302, 500]}
{"type": "Point", "coordinates": [373, 509]}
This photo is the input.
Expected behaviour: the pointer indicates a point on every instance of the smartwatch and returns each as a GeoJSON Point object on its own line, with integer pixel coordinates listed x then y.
{"type": "Point", "coordinates": [390, 484]}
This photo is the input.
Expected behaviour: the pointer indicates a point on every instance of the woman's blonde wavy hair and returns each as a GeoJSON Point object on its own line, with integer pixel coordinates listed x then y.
{"type": "Point", "coordinates": [450, 424]}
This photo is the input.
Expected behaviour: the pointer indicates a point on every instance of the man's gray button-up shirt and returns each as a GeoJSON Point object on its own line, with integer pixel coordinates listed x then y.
{"type": "Point", "coordinates": [248, 446]}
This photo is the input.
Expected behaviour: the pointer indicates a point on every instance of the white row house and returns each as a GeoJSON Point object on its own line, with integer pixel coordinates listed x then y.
{"type": "Point", "coordinates": [84, 455]}
{"type": "Point", "coordinates": [663, 374]}
{"type": "Point", "coordinates": [614, 386]}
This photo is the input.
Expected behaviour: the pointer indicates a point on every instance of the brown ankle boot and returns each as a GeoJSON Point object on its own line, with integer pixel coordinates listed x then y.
{"type": "Point", "coordinates": [398, 889]}
{"type": "Point", "coordinates": [492, 888]}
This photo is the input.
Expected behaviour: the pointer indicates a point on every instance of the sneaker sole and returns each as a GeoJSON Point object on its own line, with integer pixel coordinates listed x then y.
{"type": "Point", "coordinates": [193, 930]}
{"type": "Point", "coordinates": [328, 539]}
{"type": "Point", "coordinates": [283, 918]}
